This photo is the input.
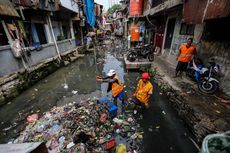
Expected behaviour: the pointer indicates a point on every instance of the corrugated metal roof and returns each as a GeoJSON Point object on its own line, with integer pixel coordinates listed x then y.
{"type": "Point", "coordinates": [7, 9]}
{"type": "Point", "coordinates": [25, 2]}
{"type": "Point", "coordinates": [167, 4]}
{"type": "Point", "coordinates": [218, 9]}
{"type": "Point", "coordinates": [196, 11]}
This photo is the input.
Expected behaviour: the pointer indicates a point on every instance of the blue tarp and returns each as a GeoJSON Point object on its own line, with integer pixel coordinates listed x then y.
{"type": "Point", "coordinates": [89, 11]}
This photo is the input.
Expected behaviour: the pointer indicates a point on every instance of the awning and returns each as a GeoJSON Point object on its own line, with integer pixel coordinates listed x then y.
{"type": "Point", "coordinates": [7, 9]}
{"type": "Point", "coordinates": [163, 6]}
{"type": "Point", "coordinates": [70, 5]}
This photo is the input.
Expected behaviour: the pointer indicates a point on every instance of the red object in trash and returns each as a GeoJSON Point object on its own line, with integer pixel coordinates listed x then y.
{"type": "Point", "coordinates": [32, 118]}
{"type": "Point", "coordinates": [103, 117]}
{"type": "Point", "coordinates": [110, 144]}
{"type": "Point", "coordinates": [66, 113]}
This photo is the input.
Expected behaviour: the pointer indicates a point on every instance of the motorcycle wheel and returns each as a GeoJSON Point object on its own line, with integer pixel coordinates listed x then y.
{"type": "Point", "coordinates": [151, 57]}
{"type": "Point", "coordinates": [208, 87]}
{"type": "Point", "coordinates": [131, 56]}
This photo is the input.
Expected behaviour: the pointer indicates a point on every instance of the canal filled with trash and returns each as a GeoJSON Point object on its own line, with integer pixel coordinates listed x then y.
{"type": "Point", "coordinates": [73, 90]}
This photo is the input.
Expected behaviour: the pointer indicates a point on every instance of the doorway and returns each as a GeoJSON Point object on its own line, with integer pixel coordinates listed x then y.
{"type": "Point", "coordinates": [169, 33]}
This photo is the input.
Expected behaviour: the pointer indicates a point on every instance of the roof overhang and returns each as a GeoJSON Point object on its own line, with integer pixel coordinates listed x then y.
{"type": "Point", "coordinates": [70, 5]}
{"type": "Point", "coordinates": [163, 6]}
{"type": "Point", "coordinates": [7, 9]}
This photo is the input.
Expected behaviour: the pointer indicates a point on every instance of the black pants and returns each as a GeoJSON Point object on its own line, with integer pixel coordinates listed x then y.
{"type": "Point", "coordinates": [182, 66]}
{"type": "Point", "coordinates": [138, 103]}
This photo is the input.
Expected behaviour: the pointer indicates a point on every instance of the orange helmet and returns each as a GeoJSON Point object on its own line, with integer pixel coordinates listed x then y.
{"type": "Point", "coordinates": [145, 76]}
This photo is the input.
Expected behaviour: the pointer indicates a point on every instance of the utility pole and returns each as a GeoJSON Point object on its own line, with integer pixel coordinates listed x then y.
{"type": "Point", "coordinates": [54, 39]}
{"type": "Point", "coordinates": [109, 3]}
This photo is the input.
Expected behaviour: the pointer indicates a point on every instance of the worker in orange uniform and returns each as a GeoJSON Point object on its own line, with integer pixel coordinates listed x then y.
{"type": "Point", "coordinates": [114, 85]}
{"type": "Point", "coordinates": [185, 54]}
{"type": "Point", "coordinates": [143, 91]}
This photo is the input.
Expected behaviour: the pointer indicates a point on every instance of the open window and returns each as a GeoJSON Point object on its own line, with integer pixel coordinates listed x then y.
{"type": "Point", "coordinates": [66, 31]}
{"type": "Point", "coordinates": [3, 38]}
{"type": "Point", "coordinates": [38, 34]}
{"type": "Point", "coordinates": [187, 29]}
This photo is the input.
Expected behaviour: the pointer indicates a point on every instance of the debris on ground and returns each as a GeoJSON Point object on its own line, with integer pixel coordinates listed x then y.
{"type": "Point", "coordinates": [157, 127]}
{"type": "Point", "coordinates": [87, 126]}
{"type": "Point", "coordinates": [74, 92]}
{"type": "Point", "coordinates": [65, 86]}
{"type": "Point", "coordinates": [32, 118]}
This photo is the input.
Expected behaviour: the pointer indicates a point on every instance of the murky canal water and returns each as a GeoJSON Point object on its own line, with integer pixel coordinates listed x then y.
{"type": "Point", "coordinates": [164, 131]}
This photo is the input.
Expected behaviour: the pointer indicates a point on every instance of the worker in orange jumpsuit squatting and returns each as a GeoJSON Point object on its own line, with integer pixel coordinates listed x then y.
{"type": "Point", "coordinates": [114, 85]}
{"type": "Point", "coordinates": [143, 91]}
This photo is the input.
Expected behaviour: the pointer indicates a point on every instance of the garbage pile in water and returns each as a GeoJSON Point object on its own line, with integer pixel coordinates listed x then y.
{"type": "Point", "coordinates": [85, 127]}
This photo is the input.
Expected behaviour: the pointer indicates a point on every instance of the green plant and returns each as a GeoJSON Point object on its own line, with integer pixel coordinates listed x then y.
{"type": "Point", "coordinates": [113, 9]}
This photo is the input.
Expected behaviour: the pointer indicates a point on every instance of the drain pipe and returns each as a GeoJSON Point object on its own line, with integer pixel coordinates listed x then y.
{"type": "Point", "coordinates": [55, 42]}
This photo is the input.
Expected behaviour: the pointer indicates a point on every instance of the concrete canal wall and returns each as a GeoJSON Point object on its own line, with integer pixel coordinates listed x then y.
{"type": "Point", "coordinates": [13, 84]}
{"type": "Point", "coordinates": [203, 114]}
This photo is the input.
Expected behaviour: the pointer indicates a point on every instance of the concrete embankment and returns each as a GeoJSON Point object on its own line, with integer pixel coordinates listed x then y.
{"type": "Point", "coordinates": [12, 85]}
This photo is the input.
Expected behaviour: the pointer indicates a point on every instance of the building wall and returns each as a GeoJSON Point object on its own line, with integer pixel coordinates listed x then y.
{"type": "Point", "coordinates": [207, 48]}
{"type": "Point", "coordinates": [146, 6]}
{"type": "Point", "coordinates": [215, 43]}
{"type": "Point", "coordinates": [179, 39]}
{"type": "Point", "coordinates": [37, 57]}
{"type": "Point", "coordinates": [10, 64]}
{"type": "Point", "coordinates": [66, 45]}
{"type": "Point", "coordinates": [221, 52]}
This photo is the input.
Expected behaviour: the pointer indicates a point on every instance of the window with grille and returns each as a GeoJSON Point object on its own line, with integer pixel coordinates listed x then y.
{"type": "Point", "coordinates": [187, 29]}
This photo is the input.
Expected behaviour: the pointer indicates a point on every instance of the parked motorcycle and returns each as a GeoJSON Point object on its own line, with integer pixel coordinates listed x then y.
{"type": "Point", "coordinates": [206, 77]}
{"type": "Point", "coordinates": [146, 51]}
{"type": "Point", "coordinates": [192, 72]}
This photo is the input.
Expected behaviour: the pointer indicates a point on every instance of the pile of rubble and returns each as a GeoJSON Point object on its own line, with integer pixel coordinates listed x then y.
{"type": "Point", "coordinates": [87, 126]}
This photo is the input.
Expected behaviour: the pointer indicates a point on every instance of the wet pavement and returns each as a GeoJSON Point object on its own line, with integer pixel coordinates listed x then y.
{"type": "Point", "coordinates": [164, 132]}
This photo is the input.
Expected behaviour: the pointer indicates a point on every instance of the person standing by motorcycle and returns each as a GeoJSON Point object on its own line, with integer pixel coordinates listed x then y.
{"type": "Point", "coordinates": [143, 91]}
{"type": "Point", "coordinates": [184, 56]}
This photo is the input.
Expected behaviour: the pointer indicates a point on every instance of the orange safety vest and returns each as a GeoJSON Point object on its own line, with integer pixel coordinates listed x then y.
{"type": "Point", "coordinates": [186, 53]}
{"type": "Point", "coordinates": [143, 91]}
{"type": "Point", "coordinates": [116, 88]}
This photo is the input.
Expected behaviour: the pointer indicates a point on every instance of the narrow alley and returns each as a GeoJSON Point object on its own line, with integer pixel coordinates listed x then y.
{"type": "Point", "coordinates": [114, 76]}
